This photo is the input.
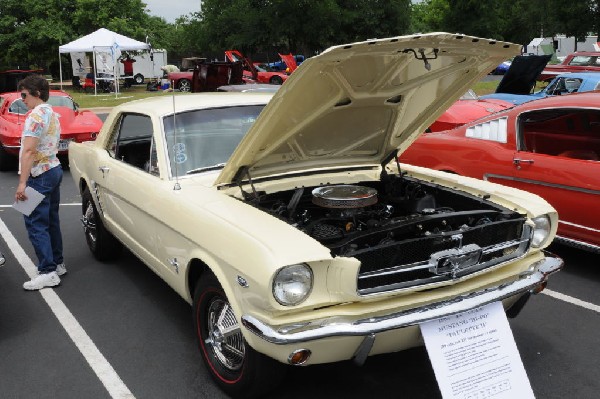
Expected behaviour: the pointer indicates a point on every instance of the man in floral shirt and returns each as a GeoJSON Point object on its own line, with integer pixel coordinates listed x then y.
{"type": "Point", "coordinates": [40, 169]}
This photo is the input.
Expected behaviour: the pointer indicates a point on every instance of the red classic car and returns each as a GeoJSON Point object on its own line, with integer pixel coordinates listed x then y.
{"type": "Point", "coordinates": [579, 61]}
{"type": "Point", "coordinates": [76, 125]}
{"type": "Point", "coordinates": [550, 147]}
{"type": "Point", "coordinates": [254, 74]}
{"type": "Point", "coordinates": [468, 108]}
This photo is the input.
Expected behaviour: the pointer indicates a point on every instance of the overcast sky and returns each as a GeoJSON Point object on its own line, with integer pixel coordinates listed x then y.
{"type": "Point", "coordinates": [172, 9]}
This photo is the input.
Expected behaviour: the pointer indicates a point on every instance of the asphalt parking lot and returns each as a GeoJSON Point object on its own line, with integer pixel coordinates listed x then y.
{"type": "Point", "coordinates": [115, 330]}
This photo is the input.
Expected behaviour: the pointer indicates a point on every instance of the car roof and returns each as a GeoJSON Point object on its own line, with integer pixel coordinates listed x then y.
{"type": "Point", "coordinates": [164, 104]}
{"type": "Point", "coordinates": [583, 75]}
{"type": "Point", "coordinates": [587, 99]}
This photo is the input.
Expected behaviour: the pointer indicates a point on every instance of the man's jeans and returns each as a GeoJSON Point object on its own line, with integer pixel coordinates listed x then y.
{"type": "Point", "coordinates": [43, 224]}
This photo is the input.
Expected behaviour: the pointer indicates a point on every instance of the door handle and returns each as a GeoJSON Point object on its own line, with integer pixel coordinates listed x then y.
{"type": "Point", "coordinates": [103, 169]}
{"type": "Point", "coordinates": [519, 161]}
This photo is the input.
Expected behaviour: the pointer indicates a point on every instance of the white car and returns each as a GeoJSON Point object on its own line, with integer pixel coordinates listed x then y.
{"type": "Point", "coordinates": [287, 223]}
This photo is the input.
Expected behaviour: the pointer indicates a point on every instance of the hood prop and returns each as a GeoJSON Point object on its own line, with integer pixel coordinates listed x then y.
{"type": "Point", "coordinates": [386, 160]}
{"type": "Point", "coordinates": [237, 179]}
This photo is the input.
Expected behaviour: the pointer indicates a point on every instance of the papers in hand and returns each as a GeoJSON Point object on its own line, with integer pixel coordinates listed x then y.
{"type": "Point", "coordinates": [33, 200]}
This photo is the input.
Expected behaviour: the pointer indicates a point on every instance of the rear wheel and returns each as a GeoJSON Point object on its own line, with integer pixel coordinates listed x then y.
{"type": "Point", "coordinates": [276, 80]}
{"type": "Point", "coordinates": [238, 370]}
{"type": "Point", "coordinates": [103, 245]}
{"type": "Point", "coordinates": [138, 79]}
{"type": "Point", "coordinates": [184, 85]}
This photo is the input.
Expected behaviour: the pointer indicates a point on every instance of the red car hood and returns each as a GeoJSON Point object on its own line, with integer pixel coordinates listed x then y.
{"type": "Point", "coordinates": [77, 122]}
{"type": "Point", "coordinates": [464, 111]}
{"type": "Point", "coordinates": [290, 61]}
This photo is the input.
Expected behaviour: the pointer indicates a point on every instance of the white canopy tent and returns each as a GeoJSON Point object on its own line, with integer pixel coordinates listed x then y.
{"type": "Point", "coordinates": [106, 43]}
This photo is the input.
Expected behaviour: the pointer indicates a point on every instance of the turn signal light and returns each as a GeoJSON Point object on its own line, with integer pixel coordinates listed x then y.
{"type": "Point", "coordinates": [299, 357]}
{"type": "Point", "coordinates": [539, 288]}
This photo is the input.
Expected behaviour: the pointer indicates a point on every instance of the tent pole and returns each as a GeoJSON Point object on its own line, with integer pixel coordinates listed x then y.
{"type": "Point", "coordinates": [95, 78]}
{"type": "Point", "coordinates": [60, 69]}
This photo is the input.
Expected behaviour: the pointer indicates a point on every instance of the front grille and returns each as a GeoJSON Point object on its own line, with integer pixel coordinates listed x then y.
{"type": "Point", "coordinates": [440, 257]}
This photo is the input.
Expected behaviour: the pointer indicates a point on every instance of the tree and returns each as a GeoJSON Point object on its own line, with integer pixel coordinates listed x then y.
{"type": "Point", "coordinates": [31, 31]}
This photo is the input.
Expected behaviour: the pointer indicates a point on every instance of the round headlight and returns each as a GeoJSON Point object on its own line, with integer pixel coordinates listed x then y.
{"type": "Point", "coordinates": [292, 284]}
{"type": "Point", "coordinates": [541, 231]}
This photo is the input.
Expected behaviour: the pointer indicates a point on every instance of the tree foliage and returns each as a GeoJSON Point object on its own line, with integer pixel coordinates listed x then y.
{"type": "Point", "coordinates": [31, 30]}
{"type": "Point", "coordinates": [518, 21]}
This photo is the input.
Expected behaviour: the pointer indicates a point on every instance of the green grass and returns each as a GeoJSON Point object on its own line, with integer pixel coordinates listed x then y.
{"type": "Point", "coordinates": [482, 88]}
{"type": "Point", "coordinates": [89, 100]}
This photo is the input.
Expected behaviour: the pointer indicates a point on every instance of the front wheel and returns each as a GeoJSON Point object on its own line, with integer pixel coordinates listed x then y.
{"type": "Point", "coordinates": [184, 85]}
{"type": "Point", "coordinates": [236, 368]}
{"type": "Point", "coordinates": [103, 245]}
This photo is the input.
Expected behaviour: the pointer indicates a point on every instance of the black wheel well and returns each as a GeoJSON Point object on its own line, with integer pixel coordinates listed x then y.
{"type": "Point", "coordinates": [82, 185]}
{"type": "Point", "coordinates": [196, 269]}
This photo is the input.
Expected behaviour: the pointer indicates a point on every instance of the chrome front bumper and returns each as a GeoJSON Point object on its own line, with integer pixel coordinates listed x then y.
{"type": "Point", "coordinates": [343, 326]}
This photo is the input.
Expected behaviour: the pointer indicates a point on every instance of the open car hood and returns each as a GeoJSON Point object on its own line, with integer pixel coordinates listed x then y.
{"type": "Point", "coordinates": [522, 74]}
{"type": "Point", "coordinates": [356, 104]}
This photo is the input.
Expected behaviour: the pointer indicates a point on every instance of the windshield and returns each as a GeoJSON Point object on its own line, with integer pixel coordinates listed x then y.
{"type": "Point", "coordinates": [469, 95]}
{"type": "Point", "coordinates": [205, 139]}
{"type": "Point", "coordinates": [19, 107]}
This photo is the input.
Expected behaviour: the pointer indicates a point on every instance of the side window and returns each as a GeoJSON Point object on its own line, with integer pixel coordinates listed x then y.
{"type": "Point", "coordinates": [565, 133]}
{"type": "Point", "coordinates": [581, 60]}
{"type": "Point", "coordinates": [132, 141]}
{"type": "Point", "coordinates": [152, 167]}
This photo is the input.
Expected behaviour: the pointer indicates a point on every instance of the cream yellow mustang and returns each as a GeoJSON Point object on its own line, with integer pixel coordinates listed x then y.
{"type": "Point", "coordinates": [287, 222]}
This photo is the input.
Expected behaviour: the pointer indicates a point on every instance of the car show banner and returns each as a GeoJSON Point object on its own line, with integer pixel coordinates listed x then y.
{"type": "Point", "coordinates": [474, 355]}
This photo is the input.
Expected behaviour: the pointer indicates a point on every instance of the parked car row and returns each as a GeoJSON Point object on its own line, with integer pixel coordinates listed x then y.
{"type": "Point", "coordinates": [76, 125]}
{"type": "Point", "coordinates": [579, 61]}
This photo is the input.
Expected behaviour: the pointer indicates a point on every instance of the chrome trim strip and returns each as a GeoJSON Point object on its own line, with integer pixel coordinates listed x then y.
{"type": "Point", "coordinates": [337, 326]}
{"type": "Point", "coordinates": [541, 183]}
{"type": "Point", "coordinates": [577, 244]}
{"type": "Point", "coordinates": [579, 226]}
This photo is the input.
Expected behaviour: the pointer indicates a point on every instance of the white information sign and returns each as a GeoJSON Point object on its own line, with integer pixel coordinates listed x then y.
{"type": "Point", "coordinates": [474, 355]}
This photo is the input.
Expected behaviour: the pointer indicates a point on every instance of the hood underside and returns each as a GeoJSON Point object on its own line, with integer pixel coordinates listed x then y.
{"type": "Point", "coordinates": [522, 74]}
{"type": "Point", "coordinates": [357, 103]}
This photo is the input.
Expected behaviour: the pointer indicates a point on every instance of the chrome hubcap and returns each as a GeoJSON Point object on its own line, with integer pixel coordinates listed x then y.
{"type": "Point", "coordinates": [224, 335]}
{"type": "Point", "coordinates": [89, 223]}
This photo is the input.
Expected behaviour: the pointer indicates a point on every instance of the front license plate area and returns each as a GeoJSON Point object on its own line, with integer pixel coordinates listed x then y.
{"type": "Point", "coordinates": [63, 145]}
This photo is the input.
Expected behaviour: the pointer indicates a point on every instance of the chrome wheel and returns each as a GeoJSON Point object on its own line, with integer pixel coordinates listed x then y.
{"type": "Point", "coordinates": [224, 335]}
{"type": "Point", "coordinates": [185, 85]}
{"type": "Point", "coordinates": [89, 224]}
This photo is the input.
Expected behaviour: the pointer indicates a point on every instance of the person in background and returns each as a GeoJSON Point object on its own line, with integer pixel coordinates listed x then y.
{"type": "Point", "coordinates": [40, 169]}
{"type": "Point", "coordinates": [168, 69]}
{"type": "Point", "coordinates": [127, 62]}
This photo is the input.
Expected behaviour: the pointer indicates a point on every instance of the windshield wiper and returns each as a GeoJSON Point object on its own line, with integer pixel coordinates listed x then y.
{"type": "Point", "coordinates": [205, 168]}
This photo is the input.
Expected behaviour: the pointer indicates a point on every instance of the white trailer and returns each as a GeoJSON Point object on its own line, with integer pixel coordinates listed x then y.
{"type": "Point", "coordinates": [561, 45]}
{"type": "Point", "coordinates": [147, 65]}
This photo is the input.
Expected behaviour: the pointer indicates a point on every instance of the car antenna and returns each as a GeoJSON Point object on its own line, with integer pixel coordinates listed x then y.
{"type": "Point", "coordinates": [177, 186]}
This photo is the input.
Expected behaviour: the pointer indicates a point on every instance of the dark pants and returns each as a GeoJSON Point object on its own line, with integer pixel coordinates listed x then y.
{"type": "Point", "coordinates": [43, 224]}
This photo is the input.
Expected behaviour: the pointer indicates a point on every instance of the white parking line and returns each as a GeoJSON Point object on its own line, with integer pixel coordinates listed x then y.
{"type": "Point", "coordinates": [572, 300]}
{"type": "Point", "coordinates": [71, 204]}
{"type": "Point", "coordinates": [105, 372]}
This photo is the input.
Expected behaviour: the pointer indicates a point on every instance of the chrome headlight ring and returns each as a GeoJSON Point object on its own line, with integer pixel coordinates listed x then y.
{"type": "Point", "coordinates": [292, 284]}
{"type": "Point", "coordinates": [541, 231]}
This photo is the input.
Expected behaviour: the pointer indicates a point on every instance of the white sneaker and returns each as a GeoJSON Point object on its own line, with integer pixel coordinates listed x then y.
{"type": "Point", "coordinates": [41, 281]}
{"type": "Point", "coordinates": [61, 269]}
